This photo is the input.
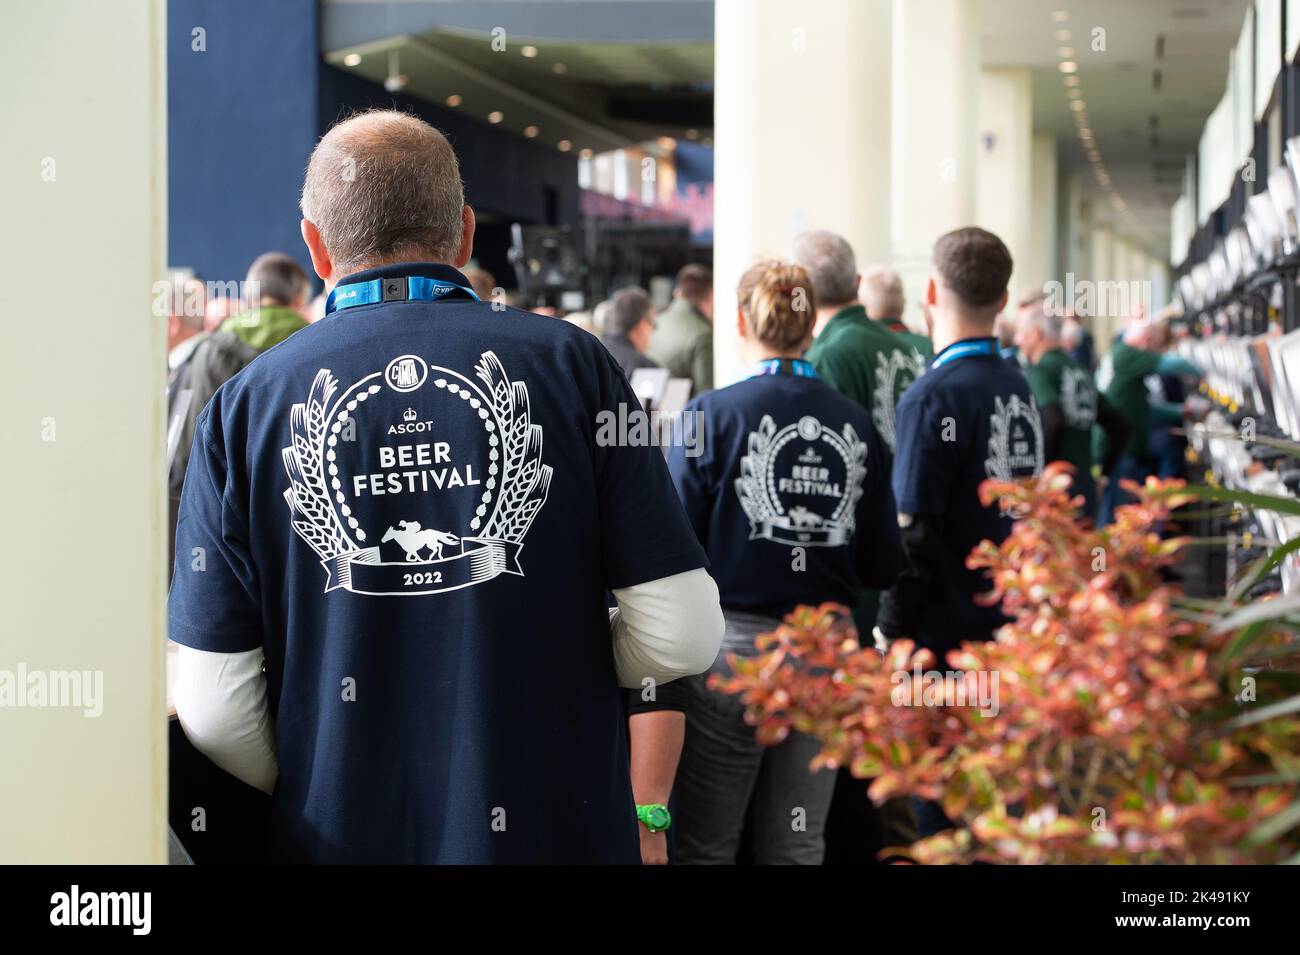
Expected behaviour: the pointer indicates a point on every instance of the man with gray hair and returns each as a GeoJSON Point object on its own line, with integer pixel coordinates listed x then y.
{"type": "Point", "coordinates": [881, 290]}
{"type": "Point", "coordinates": [408, 526]}
{"type": "Point", "coordinates": [1069, 404]}
{"type": "Point", "coordinates": [856, 356]}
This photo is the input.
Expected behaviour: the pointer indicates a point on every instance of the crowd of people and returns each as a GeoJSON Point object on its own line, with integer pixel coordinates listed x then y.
{"type": "Point", "coordinates": [439, 620]}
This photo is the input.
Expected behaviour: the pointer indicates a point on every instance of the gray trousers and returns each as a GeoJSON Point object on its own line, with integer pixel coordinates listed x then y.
{"type": "Point", "coordinates": [726, 778]}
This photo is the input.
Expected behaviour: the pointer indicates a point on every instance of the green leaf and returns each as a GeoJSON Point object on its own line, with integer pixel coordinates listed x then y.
{"type": "Point", "coordinates": [1273, 710]}
{"type": "Point", "coordinates": [1275, 826]}
{"type": "Point", "coordinates": [1264, 610]}
{"type": "Point", "coordinates": [1280, 444]}
{"type": "Point", "coordinates": [1266, 502]}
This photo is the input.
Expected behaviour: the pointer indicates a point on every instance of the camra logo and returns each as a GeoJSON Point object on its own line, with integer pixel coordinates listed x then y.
{"type": "Point", "coordinates": [438, 489]}
{"type": "Point", "coordinates": [1015, 440]}
{"type": "Point", "coordinates": [893, 375]}
{"type": "Point", "coordinates": [799, 485]}
{"type": "Point", "coordinates": [406, 373]}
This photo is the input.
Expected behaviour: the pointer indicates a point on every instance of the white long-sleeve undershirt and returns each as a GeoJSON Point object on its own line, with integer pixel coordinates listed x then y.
{"type": "Point", "coordinates": [663, 629]}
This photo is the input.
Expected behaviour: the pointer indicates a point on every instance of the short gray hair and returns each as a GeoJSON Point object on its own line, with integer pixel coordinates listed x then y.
{"type": "Point", "coordinates": [1046, 319]}
{"type": "Point", "coordinates": [882, 292]}
{"type": "Point", "coordinates": [384, 186]}
{"type": "Point", "coordinates": [828, 258]}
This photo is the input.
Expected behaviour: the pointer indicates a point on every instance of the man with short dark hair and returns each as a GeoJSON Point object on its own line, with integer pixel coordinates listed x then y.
{"type": "Point", "coordinates": [274, 293]}
{"type": "Point", "coordinates": [683, 335]}
{"type": "Point", "coordinates": [408, 522]}
{"type": "Point", "coordinates": [628, 327]}
{"type": "Point", "coordinates": [968, 418]}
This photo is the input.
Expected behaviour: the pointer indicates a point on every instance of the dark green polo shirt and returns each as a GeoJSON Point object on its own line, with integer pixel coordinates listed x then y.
{"type": "Point", "coordinates": [1121, 377]}
{"type": "Point", "coordinates": [865, 361]}
{"type": "Point", "coordinates": [1057, 380]}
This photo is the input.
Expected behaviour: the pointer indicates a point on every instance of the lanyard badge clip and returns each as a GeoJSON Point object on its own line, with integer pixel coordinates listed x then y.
{"type": "Point", "coordinates": [394, 289]}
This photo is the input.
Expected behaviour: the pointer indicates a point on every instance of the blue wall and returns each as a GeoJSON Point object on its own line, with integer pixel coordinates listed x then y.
{"type": "Point", "coordinates": [243, 118]}
{"type": "Point", "coordinates": [241, 121]}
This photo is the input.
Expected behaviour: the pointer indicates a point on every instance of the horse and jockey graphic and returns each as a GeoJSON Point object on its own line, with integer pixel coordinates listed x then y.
{"type": "Point", "coordinates": [414, 539]}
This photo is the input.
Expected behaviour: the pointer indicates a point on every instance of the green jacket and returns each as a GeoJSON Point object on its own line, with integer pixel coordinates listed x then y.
{"type": "Point", "coordinates": [1121, 376]}
{"type": "Point", "coordinates": [921, 343]}
{"type": "Point", "coordinates": [683, 343]}
{"type": "Point", "coordinates": [865, 361]}
{"type": "Point", "coordinates": [1057, 380]}
{"type": "Point", "coordinates": [263, 327]}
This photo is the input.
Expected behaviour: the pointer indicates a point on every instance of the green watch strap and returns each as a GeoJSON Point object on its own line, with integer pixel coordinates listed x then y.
{"type": "Point", "coordinates": [655, 816]}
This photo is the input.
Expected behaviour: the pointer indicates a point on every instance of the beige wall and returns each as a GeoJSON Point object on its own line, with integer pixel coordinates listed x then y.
{"type": "Point", "coordinates": [82, 96]}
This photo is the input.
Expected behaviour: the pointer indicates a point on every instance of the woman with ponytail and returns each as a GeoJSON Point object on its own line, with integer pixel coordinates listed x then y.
{"type": "Point", "coordinates": [787, 487]}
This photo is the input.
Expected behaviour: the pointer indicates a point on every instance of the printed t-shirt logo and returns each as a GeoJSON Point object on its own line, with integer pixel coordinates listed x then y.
{"type": "Point", "coordinates": [1078, 398]}
{"type": "Point", "coordinates": [415, 479]}
{"type": "Point", "coordinates": [1015, 439]}
{"type": "Point", "coordinates": [799, 484]}
{"type": "Point", "coordinates": [893, 374]}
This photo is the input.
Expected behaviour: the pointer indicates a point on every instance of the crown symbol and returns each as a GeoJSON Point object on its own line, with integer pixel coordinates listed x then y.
{"type": "Point", "coordinates": [410, 414]}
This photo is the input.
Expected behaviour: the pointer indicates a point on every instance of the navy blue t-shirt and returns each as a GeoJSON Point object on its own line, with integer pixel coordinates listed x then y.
{"type": "Point", "coordinates": [790, 493]}
{"type": "Point", "coordinates": [406, 505]}
{"type": "Point", "coordinates": [970, 417]}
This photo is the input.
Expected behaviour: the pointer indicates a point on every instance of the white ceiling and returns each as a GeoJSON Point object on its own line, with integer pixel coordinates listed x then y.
{"type": "Point", "coordinates": [1119, 89]}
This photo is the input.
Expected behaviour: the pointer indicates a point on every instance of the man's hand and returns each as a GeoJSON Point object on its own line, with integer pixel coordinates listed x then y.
{"type": "Point", "coordinates": [654, 846]}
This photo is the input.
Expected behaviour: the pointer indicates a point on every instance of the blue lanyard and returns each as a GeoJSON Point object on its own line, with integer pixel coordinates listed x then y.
{"type": "Point", "coordinates": [775, 366]}
{"type": "Point", "coordinates": [409, 289]}
{"type": "Point", "coordinates": [982, 346]}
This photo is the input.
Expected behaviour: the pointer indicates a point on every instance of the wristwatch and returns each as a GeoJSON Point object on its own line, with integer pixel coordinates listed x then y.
{"type": "Point", "coordinates": [655, 816]}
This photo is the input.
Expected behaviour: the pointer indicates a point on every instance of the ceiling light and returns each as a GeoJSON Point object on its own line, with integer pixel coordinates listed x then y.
{"type": "Point", "coordinates": [1065, 52]}
{"type": "Point", "coordinates": [1060, 16]}
{"type": "Point", "coordinates": [1078, 104]}
{"type": "Point", "coordinates": [352, 59]}
{"type": "Point", "coordinates": [559, 68]}
{"type": "Point", "coordinates": [531, 131]}
{"type": "Point", "coordinates": [667, 142]}
{"type": "Point", "coordinates": [1068, 66]}
{"type": "Point", "coordinates": [454, 100]}
{"type": "Point", "coordinates": [496, 116]}
{"type": "Point", "coordinates": [564, 145]}
{"type": "Point", "coordinates": [1074, 93]}
{"type": "Point", "coordinates": [528, 51]}
{"type": "Point", "coordinates": [1062, 36]}
{"type": "Point", "coordinates": [1071, 80]}
{"type": "Point", "coordinates": [585, 154]}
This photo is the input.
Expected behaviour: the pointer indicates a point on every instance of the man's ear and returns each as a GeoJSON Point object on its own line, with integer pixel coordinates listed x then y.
{"type": "Point", "coordinates": [320, 258]}
{"type": "Point", "coordinates": [931, 292]}
{"type": "Point", "coordinates": [466, 238]}
{"type": "Point", "coordinates": [742, 330]}
{"type": "Point", "coordinates": [1002, 302]}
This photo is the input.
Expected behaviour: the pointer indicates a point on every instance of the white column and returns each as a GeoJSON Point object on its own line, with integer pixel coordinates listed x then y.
{"type": "Point", "coordinates": [1005, 167]}
{"type": "Point", "coordinates": [84, 238]}
{"type": "Point", "coordinates": [1101, 271]}
{"type": "Point", "coordinates": [1041, 256]}
{"type": "Point", "coordinates": [935, 98]}
{"type": "Point", "coordinates": [801, 110]}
